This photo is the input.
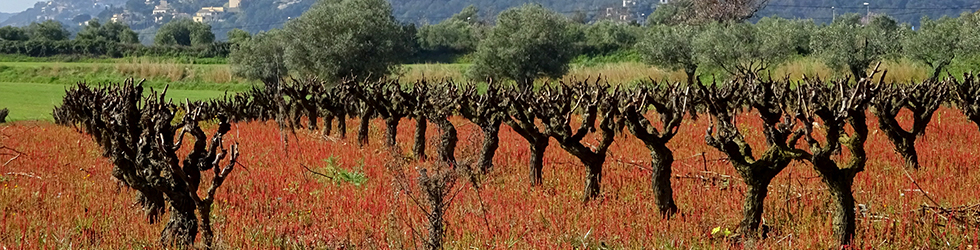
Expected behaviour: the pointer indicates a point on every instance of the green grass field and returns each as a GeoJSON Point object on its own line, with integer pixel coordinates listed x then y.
{"type": "Point", "coordinates": [34, 101]}
{"type": "Point", "coordinates": [30, 89]}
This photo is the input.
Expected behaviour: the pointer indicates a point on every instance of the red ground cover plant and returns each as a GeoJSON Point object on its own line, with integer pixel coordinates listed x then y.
{"type": "Point", "coordinates": [58, 193]}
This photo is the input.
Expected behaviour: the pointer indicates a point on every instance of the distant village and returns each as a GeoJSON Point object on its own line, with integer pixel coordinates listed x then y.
{"type": "Point", "coordinates": [138, 15]}
{"type": "Point", "coordinates": [163, 12]}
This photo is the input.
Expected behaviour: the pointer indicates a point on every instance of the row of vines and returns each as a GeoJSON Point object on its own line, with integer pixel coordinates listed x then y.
{"type": "Point", "coordinates": [822, 123]}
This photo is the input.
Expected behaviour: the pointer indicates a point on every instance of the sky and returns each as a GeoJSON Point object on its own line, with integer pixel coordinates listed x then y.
{"type": "Point", "coordinates": [14, 6]}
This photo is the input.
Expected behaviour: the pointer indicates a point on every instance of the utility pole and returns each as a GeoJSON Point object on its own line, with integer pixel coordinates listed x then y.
{"type": "Point", "coordinates": [833, 11]}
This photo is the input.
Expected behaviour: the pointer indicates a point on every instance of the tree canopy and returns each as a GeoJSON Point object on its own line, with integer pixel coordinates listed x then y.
{"type": "Point", "coordinates": [853, 44]}
{"type": "Point", "coordinates": [184, 32]}
{"type": "Point", "coordinates": [261, 57]}
{"type": "Point", "coordinates": [48, 30]}
{"type": "Point", "coordinates": [110, 31]}
{"type": "Point", "coordinates": [671, 47]}
{"type": "Point", "coordinates": [528, 42]}
{"type": "Point", "coordinates": [347, 38]}
{"type": "Point", "coordinates": [937, 42]}
{"type": "Point", "coordinates": [460, 33]}
{"type": "Point", "coordinates": [11, 33]}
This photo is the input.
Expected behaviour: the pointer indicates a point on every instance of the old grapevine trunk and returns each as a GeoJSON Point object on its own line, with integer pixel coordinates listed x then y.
{"type": "Point", "coordinates": [843, 207]}
{"type": "Point", "coordinates": [207, 234]}
{"type": "Point", "coordinates": [419, 148]}
{"type": "Point", "coordinates": [490, 144]}
{"type": "Point", "coordinates": [181, 229]}
{"type": "Point", "coordinates": [536, 163]}
{"type": "Point", "coordinates": [362, 130]}
{"type": "Point", "coordinates": [905, 147]}
{"type": "Point", "coordinates": [327, 125]}
{"type": "Point", "coordinates": [594, 177]}
{"type": "Point", "coordinates": [342, 125]}
{"type": "Point", "coordinates": [661, 159]}
{"type": "Point", "coordinates": [391, 131]}
{"type": "Point", "coordinates": [447, 148]}
{"type": "Point", "coordinates": [752, 208]}
{"type": "Point", "coordinates": [312, 113]}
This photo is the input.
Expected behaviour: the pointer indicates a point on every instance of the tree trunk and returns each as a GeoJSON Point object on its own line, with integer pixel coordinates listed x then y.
{"type": "Point", "coordinates": [937, 70]}
{"type": "Point", "coordinates": [752, 209]}
{"type": "Point", "coordinates": [436, 226]}
{"type": "Point", "coordinates": [362, 131]}
{"type": "Point", "coordinates": [447, 149]}
{"type": "Point", "coordinates": [593, 178]}
{"type": "Point", "coordinates": [537, 161]}
{"type": "Point", "coordinates": [419, 148]}
{"type": "Point", "coordinates": [313, 115]}
{"type": "Point", "coordinates": [690, 76]}
{"type": "Point", "coordinates": [342, 125]}
{"type": "Point", "coordinates": [327, 125]}
{"type": "Point", "coordinates": [490, 144]}
{"type": "Point", "coordinates": [391, 131]}
{"type": "Point", "coordinates": [661, 160]}
{"type": "Point", "coordinates": [858, 72]}
{"type": "Point", "coordinates": [843, 207]}
{"type": "Point", "coordinates": [296, 115]}
{"type": "Point", "coordinates": [181, 230]}
{"type": "Point", "coordinates": [906, 148]}
{"type": "Point", "coordinates": [206, 233]}
{"type": "Point", "coordinates": [903, 141]}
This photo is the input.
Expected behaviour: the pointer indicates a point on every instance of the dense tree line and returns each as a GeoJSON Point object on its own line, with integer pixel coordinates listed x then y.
{"type": "Point", "coordinates": [179, 38]}
{"type": "Point", "coordinates": [529, 42]}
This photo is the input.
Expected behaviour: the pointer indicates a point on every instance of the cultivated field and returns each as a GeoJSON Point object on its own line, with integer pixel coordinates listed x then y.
{"type": "Point", "coordinates": [58, 193]}
{"type": "Point", "coordinates": [299, 190]}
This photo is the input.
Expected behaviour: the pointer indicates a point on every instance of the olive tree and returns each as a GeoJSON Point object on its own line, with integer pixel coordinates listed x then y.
{"type": "Point", "coordinates": [347, 38]}
{"type": "Point", "coordinates": [607, 36]}
{"type": "Point", "coordinates": [460, 33]}
{"type": "Point", "coordinates": [11, 33]}
{"type": "Point", "coordinates": [184, 32]}
{"type": "Point", "coordinates": [937, 42]}
{"type": "Point", "coordinates": [261, 57]}
{"type": "Point", "coordinates": [48, 30]}
{"type": "Point", "coordinates": [705, 11]}
{"type": "Point", "coordinates": [848, 44]}
{"type": "Point", "coordinates": [110, 31]}
{"type": "Point", "coordinates": [528, 42]}
{"type": "Point", "coordinates": [670, 47]}
{"type": "Point", "coordinates": [238, 36]}
{"type": "Point", "coordinates": [796, 32]}
{"type": "Point", "coordinates": [743, 49]}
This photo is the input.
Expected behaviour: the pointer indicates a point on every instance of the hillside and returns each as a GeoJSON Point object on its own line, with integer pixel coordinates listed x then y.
{"type": "Point", "coordinates": [61, 10]}
{"type": "Point", "coordinates": [260, 15]}
{"type": "Point", "coordinates": [4, 16]}
{"type": "Point", "coordinates": [422, 11]}
{"type": "Point", "coordinates": [910, 11]}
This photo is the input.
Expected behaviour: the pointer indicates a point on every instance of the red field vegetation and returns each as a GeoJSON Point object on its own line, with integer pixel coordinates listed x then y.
{"type": "Point", "coordinates": [58, 193]}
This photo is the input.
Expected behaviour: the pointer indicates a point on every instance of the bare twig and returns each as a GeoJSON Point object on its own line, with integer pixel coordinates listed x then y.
{"type": "Point", "coordinates": [24, 174]}
{"type": "Point", "coordinates": [11, 159]}
{"type": "Point", "coordinates": [315, 172]}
